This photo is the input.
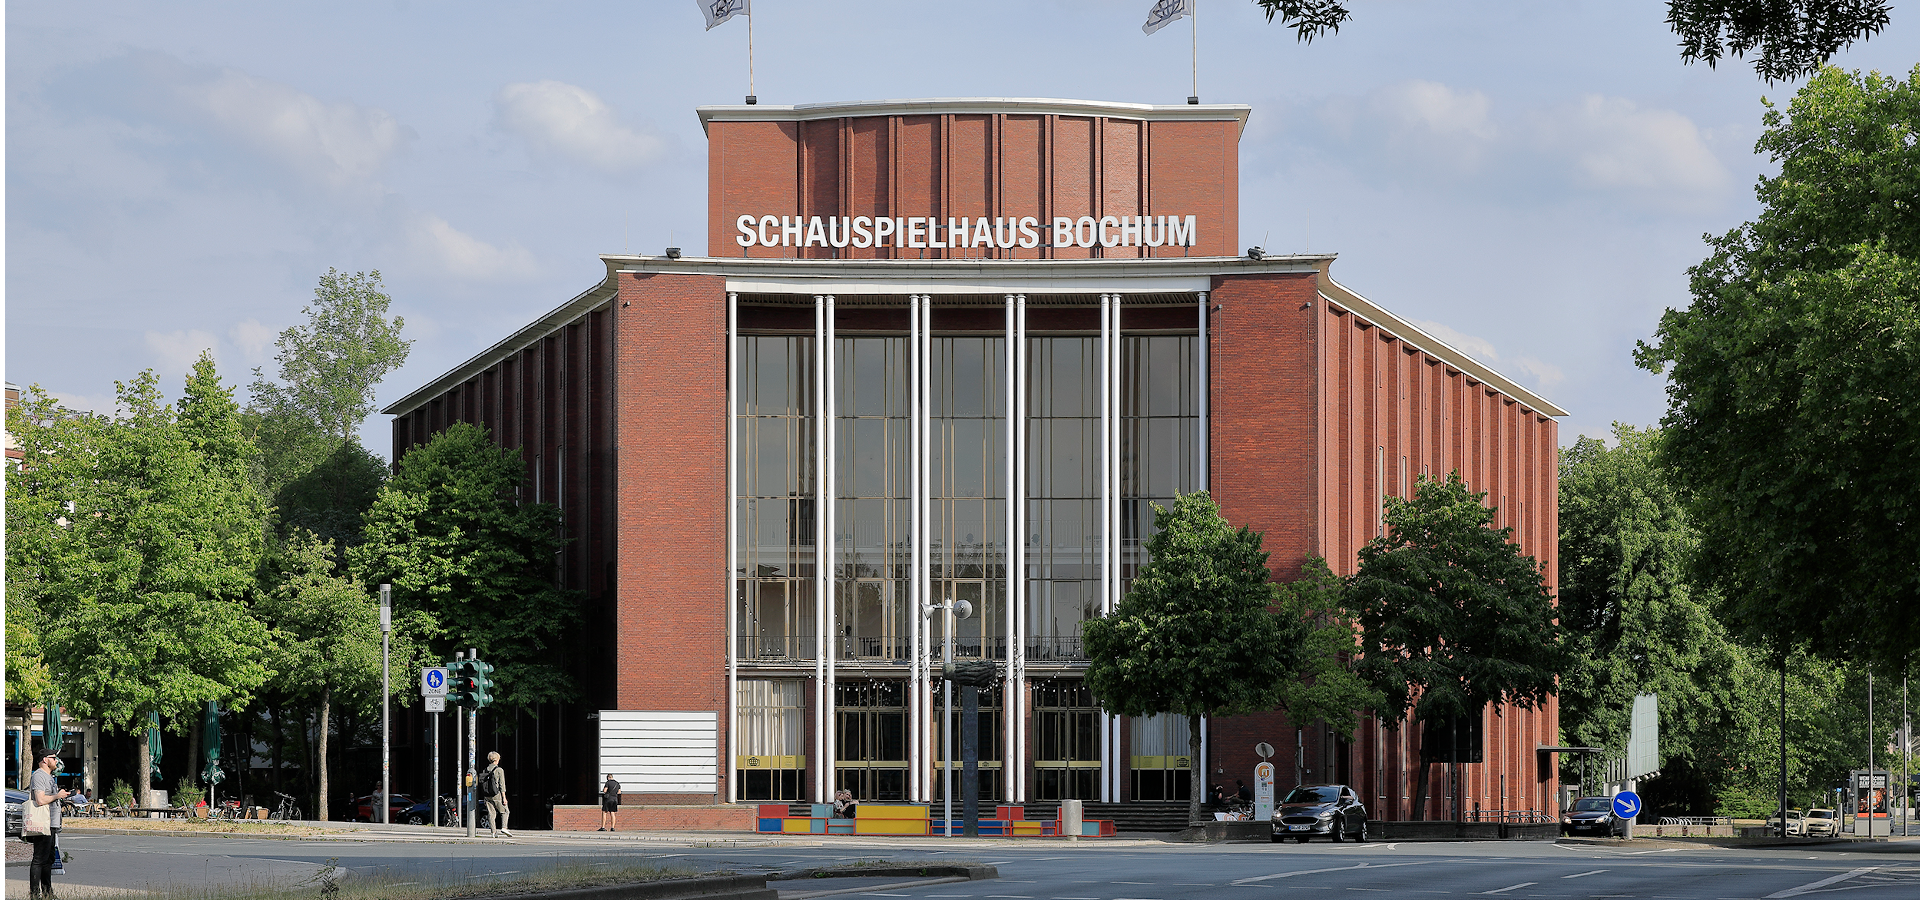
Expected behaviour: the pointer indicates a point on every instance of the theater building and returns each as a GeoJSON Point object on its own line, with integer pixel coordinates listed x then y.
{"type": "Point", "coordinates": [947, 350]}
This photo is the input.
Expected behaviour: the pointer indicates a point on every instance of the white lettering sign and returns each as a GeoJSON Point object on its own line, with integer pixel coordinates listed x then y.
{"type": "Point", "coordinates": [999, 232]}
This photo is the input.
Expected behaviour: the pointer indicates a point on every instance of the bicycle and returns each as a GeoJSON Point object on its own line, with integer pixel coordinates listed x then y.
{"type": "Point", "coordinates": [287, 811]}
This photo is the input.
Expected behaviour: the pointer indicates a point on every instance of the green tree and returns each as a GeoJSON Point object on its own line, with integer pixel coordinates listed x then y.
{"type": "Point", "coordinates": [1793, 37]}
{"type": "Point", "coordinates": [329, 366]}
{"type": "Point", "coordinates": [139, 547]}
{"type": "Point", "coordinates": [1793, 421]}
{"type": "Point", "coordinates": [471, 565]}
{"type": "Point", "coordinates": [1636, 623]}
{"type": "Point", "coordinates": [1326, 685]}
{"type": "Point", "coordinates": [327, 630]}
{"type": "Point", "coordinates": [1452, 615]}
{"type": "Point", "coordinates": [1195, 636]}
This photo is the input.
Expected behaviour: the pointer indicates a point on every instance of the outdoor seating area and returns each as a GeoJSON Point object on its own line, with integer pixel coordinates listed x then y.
{"type": "Point", "coordinates": [912, 819]}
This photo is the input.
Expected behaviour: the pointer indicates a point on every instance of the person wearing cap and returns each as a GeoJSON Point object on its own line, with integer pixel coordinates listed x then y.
{"type": "Point", "coordinates": [44, 792]}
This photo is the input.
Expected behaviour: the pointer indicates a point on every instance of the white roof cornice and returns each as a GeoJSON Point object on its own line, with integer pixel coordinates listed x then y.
{"type": "Point", "coordinates": [1021, 106]}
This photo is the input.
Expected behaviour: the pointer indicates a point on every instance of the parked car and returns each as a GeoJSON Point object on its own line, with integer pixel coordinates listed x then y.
{"type": "Point", "coordinates": [397, 806]}
{"type": "Point", "coordinates": [1821, 823]}
{"type": "Point", "coordinates": [1796, 823]}
{"type": "Point", "coordinates": [15, 799]}
{"type": "Point", "coordinates": [1593, 815]}
{"type": "Point", "coordinates": [1332, 810]}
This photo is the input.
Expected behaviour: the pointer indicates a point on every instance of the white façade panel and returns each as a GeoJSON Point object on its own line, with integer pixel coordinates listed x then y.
{"type": "Point", "coordinates": [661, 752]}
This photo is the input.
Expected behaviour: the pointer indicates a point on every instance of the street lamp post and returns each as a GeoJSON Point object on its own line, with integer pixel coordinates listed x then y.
{"type": "Point", "coordinates": [386, 717]}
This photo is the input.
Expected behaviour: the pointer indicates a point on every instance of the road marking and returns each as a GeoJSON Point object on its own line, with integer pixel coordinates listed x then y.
{"type": "Point", "coordinates": [1814, 886]}
{"type": "Point", "coordinates": [1584, 874]}
{"type": "Point", "coordinates": [878, 894]}
{"type": "Point", "coordinates": [1334, 869]}
{"type": "Point", "coordinates": [1511, 887]}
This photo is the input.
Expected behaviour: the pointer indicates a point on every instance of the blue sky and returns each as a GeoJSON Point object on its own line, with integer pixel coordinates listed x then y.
{"type": "Point", "coordinates": [1527, 179]}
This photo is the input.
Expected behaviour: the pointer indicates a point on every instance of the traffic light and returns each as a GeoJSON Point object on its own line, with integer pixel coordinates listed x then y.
{"type": "Point", "coordinates": [460, 682]}
{"type": "Point", "coordinates": [480, 680]}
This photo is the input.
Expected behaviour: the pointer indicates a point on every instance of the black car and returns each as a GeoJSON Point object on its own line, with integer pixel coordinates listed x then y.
{"type": "Point", "coordinates": [1332, 810]}
{"type": "Point", "coordinates": [15, 799]}
{"type": "Point", "coordinates": [1594, 815]}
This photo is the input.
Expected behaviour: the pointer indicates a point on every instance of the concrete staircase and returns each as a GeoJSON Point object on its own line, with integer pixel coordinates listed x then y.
{"type": "Point", "coordinates": [1159, 818]}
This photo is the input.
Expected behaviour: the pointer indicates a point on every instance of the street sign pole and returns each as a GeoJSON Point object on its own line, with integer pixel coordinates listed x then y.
{"type": "Point", "coordinates": [459, 783]}
{"type": "Point", "coordinates": [435, 802]}
{"type": "Point", "coordinates": [473, 729]}
{"type": "Point", "coordinates": [386, 715]}
{"type": "Point", "coordinates": [433, 690]}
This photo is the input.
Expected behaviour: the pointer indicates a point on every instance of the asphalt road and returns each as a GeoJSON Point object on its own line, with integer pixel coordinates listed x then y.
{"type": "Point", "coordinates": [110, 865]}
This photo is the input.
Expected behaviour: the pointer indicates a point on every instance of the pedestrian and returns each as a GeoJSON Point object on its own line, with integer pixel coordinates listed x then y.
{"type": "Point", "coordinates": [844, 806]}
{"type": "Point", "coordinates": [609, 804]}
{"type": "Point", "coordinates": [1246, 793]}
{"type": "Point", "coordinates": [493, 791]}
{"type": "Point", "coordinates": [45, 796]}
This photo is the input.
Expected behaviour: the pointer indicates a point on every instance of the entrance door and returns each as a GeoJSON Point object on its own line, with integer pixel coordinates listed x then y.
{"type": "Point", "coordinates": [870, 739]}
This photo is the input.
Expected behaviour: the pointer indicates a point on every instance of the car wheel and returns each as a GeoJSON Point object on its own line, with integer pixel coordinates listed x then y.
{"type": "Point", "coordinates": [1361, 835]}
{"type": "Point", "coordinates": [1339, 830]}
{"type": "Point", "coordinates": [1299, 838]}
{"type": "Point", "coordinates": [416, 819]}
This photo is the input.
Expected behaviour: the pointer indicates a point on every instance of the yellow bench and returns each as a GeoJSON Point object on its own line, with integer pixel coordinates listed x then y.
{"type": "Point", "coordinates": [870, 818]}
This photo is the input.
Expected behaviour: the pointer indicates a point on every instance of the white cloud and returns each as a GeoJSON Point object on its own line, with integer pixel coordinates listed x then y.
{"type": "Point", "coordinates": [461, 254]}
{"type": "Point", "coordinates": [572, 122]}
{"type": "Point", "coordinates": [1478, 348]}
{"type": "Point", "coordinates": [174, 352]}
{"type": "Point", "coordinates": [103, 404]}
{"type": "Point", "coordinates": [1544, 375]}
{"type": "Point", "coordinates": [1426, 120]}
{"type": "Point", "coordinates": [340, 144]}
{"type": "Point", "coordinates": [253, 339]}
{"type": "Point", "coordinates": [1615, 143]}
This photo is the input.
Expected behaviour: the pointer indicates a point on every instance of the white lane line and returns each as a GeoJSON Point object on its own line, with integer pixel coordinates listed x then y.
{"type": "Point", "coordinates": [878, 894]}
{"type": "Point", "coordinates": [1584, 874]}
{"type": "Point", "coordinates": [1334, 869]}
{"type": "Point", "coordinates": [1814, 886]}
{"type": "Point", "coordinates": [1511, 887]}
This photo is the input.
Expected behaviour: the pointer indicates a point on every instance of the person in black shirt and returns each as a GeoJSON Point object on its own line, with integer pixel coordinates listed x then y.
{"type": "Point", "coordinates": [609, 804]}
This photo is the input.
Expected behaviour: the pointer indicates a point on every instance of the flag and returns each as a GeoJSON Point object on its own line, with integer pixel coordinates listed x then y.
{"type": "Point", "coordinates": [719, 11]}
{"type": "Point", "coordinates": [1162, 14]}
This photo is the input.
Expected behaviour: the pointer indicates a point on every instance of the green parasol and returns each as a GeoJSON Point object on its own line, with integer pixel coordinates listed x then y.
{"type": "Point", "coordinates": [50, 734]}
{"type": "Point", "coordinates": [210, 739]}
{"type": "Point", "coordinates": [153, 743]}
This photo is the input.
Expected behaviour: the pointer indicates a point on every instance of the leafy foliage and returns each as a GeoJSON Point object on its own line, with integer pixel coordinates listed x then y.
{"type": "Point", "coordinates": [329, 366]}
{"type": "Point", "coordinates": [471, 565]}
{"type": "Point", "coordinates": [137, 543]}
{"type": "Point", "coordinates": [1794, 37]}
{"type": "Point", "coordinates": [1636, 623]}
{"type": "Point", "coordinates": [1793, 422]}
{"type": "Point", "coordinates": [1325, 684]}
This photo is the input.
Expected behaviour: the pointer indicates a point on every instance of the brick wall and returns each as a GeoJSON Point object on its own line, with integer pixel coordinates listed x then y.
{"type": "Point", "coordinates": [670, 359]}
{"type": "Point", "coordinates": [727, 817]}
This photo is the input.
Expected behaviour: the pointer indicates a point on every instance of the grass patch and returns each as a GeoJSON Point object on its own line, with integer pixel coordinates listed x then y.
{"type": "Point", "coordinates": [206, 826]}
{"type": "Point", "coordinates": [476, 881]}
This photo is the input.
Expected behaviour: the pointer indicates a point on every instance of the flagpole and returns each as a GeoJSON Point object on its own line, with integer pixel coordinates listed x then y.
{"type": "Point", "coordinates": [1195, 58]}
{"type": "Point", "coordinates": [751, 98]}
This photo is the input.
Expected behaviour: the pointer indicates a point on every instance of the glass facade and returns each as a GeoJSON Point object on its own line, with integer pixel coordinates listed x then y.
{"type": "Point", "coordinates": [879, 667]}
{"type": "Point", "coordinates": [775, 497]}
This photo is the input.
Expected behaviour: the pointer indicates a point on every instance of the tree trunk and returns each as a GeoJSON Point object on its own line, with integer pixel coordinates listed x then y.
{"type": "Point", "coordinates": [273, 716]}
{"type": "Point", "coordinates": [142, 769]}
{"type": "Point", "coordinates": [193, 754]}
{"type": "Point", "coordinates": [1420, 793]}
{"type": "Point", "coordinates": [1195, 783]}
{"type": "Point", "coordinates": [326, 706]}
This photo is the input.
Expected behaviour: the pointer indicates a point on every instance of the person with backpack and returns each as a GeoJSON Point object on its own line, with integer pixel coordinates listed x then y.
{"type": "Point", "coordinates": [492, 789]}
{"type": "Point", "coordinates": [609, 804]}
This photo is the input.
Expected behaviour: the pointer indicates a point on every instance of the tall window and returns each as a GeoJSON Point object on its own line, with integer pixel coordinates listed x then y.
{"type": "Point", "coordinates": [771, 761]}
{"type": "Point", "coordinates": [968, 448]}
{"type": "Point", "coordinates": [1063, 494]}
{"type": "Point", "coordinates": [1162, 763]}
{"type": "Point", "coordinates": [1159, 435]}
{"type": "Point", "coordinates": [872, 447]}
{"type": "Point", "coordinates": [774, 593]}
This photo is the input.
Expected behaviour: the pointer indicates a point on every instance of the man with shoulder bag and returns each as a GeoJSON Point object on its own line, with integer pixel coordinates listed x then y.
{"type": "Point", "coordinates": [40, 821]}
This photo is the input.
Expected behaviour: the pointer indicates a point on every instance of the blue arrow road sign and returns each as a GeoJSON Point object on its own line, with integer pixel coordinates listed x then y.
{"type": "Point", "coordinates": [1626, 804]}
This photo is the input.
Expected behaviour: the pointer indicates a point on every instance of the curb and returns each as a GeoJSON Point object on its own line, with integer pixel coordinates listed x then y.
{"type": "Point", "coordinates": [942, 872]}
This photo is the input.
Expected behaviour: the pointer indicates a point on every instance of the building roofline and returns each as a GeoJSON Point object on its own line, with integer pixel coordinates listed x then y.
{"type": "Point", "coordinates": [972, 276]}
{"type": "Point", "coordinates": [1026, 106]}
{"type": "Point", "coordinates": [1411, 334]}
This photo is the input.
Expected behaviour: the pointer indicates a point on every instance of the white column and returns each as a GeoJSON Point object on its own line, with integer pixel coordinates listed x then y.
{"type": "Point", "coordinates": [822, 712]}
{"type": "Point", "coordinates": [1205, 375]}
{"type": "Point", "coordinates": [829, 475]}
{"type": "Point", "coordinates": [1113, 490]}
{"type": "Point", "coordinates": [1015, 699]}
{"type": "Point", "coordinates": [1009, 556]}
{"type": "Point", "coordinates": [1109, 745]}
{"type": "Point", "coordinates": [916, 543]}
{"type": "Point", "coordinates": [924, 529]}
{"type": "Point", "coordinates": [733, 544]}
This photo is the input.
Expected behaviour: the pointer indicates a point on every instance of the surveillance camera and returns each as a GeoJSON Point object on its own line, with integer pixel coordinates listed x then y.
{"type": "Point", "coordinates": [962, 609]}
